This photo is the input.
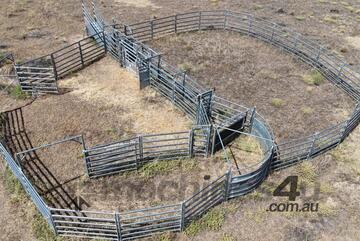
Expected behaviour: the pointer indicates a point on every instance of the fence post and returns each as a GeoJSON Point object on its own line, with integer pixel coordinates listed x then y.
{"type": "Point", "coordinates": [141, 149]}
{"type": "Point", "coordinates": [51, 220]}
{"type": "Point", "coordinates": [319, 53]}
{"type": "Point", "coordinates": [191, 143]}
{"type": "Point", "coordinates": [176, 17]}
{"type": "Point", "coordinates": [54, 66]}
{"type": "Point", "coordinates": [253, 114]}
{"type": "Point", "coordinates": [81, 55]}
{"type": "Point", "coordinates": [226, 13]}
{"type": "Point", "coordinates": [173, 91]}
{"type": "Point", "coordinates": [118, 226]}
{"type": "Point", "coordinates": [296, 41]}
{"type": "Point", "coordinates": [227, 185]}
{"type": "Point", "coordinates": [200, 13]}
{"type": "Point", "coordinates": [182, 223]}
{"type": "Point", "coordinates": [213, 139]}
{"type": "Point", "coordinates": [250, 17]}
{"type": "Point", "coordinates": [312, 146]}
{"type": "Point", "coordinates": [273, 32]}
{"type": "Point", "coordinates": [104, 39]}
{"type": "Point", "coordinates": [152, 28]}
{"type": "Point", "coordinates": [125, 30]}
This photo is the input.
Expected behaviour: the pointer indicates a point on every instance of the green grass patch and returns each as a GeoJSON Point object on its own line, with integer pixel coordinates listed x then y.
{"type": "Point", "coordinates": [17, 93]}
{"type": "Point", "coordinates": [14, 187]}
{"type": "Point", "coordinates": [314, 78]}
{"type": "Point", "coordinates": [277, 102]}
{"type": "Point", "coordinates": [155, 168]}
{"type": "Point", "coordinates": [211, 221]}
{"type": "Point", "coordinates": [41, 229]}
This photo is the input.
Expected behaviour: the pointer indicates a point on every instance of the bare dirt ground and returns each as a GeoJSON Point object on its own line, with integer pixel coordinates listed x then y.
{"type": "Point", "coordinates": [239, 69]}
{"type": "Point", "coordinates": [33, 28]}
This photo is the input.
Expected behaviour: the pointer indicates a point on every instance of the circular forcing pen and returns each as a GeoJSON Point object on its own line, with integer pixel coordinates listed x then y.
{"type": "Point", "coordinates": [217, 123]}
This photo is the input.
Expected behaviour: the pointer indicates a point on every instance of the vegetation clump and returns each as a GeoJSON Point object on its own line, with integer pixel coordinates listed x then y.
{"type": "Point", "coordinates": [14, 187]}
{"type": "Point", "coordinates": [314, 78]}
{"type": "Point", "coordinates": [277, 102]}
{"type": "Point", "coordinates": [42, 230]}
{"type": "Point", "coordinates": [211, 221]}
{"type": "Point", "coordinates": [155, 168]}
{"type": "Point", "coordinates": [17, 93]}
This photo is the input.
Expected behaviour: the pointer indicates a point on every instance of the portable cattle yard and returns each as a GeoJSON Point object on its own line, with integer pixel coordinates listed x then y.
{"type": "Point", "coordinates": [217, 121]}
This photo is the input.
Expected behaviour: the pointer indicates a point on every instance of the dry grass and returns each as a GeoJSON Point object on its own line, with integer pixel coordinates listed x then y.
{"type": "Point", "coordinates": [108, 85]}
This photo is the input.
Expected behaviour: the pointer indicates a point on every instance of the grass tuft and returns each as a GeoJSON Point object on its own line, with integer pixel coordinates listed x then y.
{"type": "Point", "coordinates": [300, 18]}
{"type": "Point", "coordinates": [211, 221]}
{"type": "Point", "coordinates": [277, 102]}
{"type": "Point", "coordinates": [163, 237]}
{"type": "Point", "coordinates": [314, 78]}
{"type": "Point", "coordinates": [307, 110]}
{"type": "Point", "coordinates": [307, 174]}
{"type": "Point", "coordinates": [42, 230]}
{"type": "Point", "coordinates": [14, 187]}
{"type": "Point", "coordinates": [17, 93]}
{"type": "Point", "coordinates": [155, 168]}
{"type": "Point", "coordinates": [331, 19]}
{"type": "Point", "coordinates": [227, 237]}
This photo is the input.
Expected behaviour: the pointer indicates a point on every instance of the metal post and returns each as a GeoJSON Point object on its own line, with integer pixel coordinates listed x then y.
{"type": "Point", "coordinates": [176, 17]}
{"type": "Point", "coordinates": [250, 17]}
{"type": "Point", "coordinates": [208, 140]}
{"type": "Point", "coordinates": [104, 39]}
{"type": "Point", "coordinates": [273, 32]}
{"type": "Point", "coordinates": [119, 50]}
{"type": "Point", "coordinates": [319, 53]}
{"type": "Point", "coordinates": [213, 140]}
{"type": "Point", "coordinates": [253, 114]}
{"type": "Point", "coordinates": [152, 28]}
{"type": "Point", "coordinates": [141, 149]}
{"type": "Point", "coordinates": [200, 13]}
{"type": "Point", "coordinates": [93, 7]}
{"type": "Point", "coordinates": [81, 55]}
{"type": "Point", "coordinates": [54, 66]}
{"type": "Point", "coordinates": [296, 41]}
{"type": "Point", "coordinates": [227, 185]}
{"type": "Point", "coordinates": [51, 220]}
{"type": "Point", "coordinates": [173, 91]}
{"type": "Point", "coordinates": [312, 146]}
{"type": "Point", "coordinates": [191, 143]}
{"type": "Point", "coordinates": [118, 226]}
{"type": "Point", "coordinates": [182, 223]}
{"type": "Point", "coordinates": [125, 30]}
{"type": "Point", "coordinates": [225, 18]}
